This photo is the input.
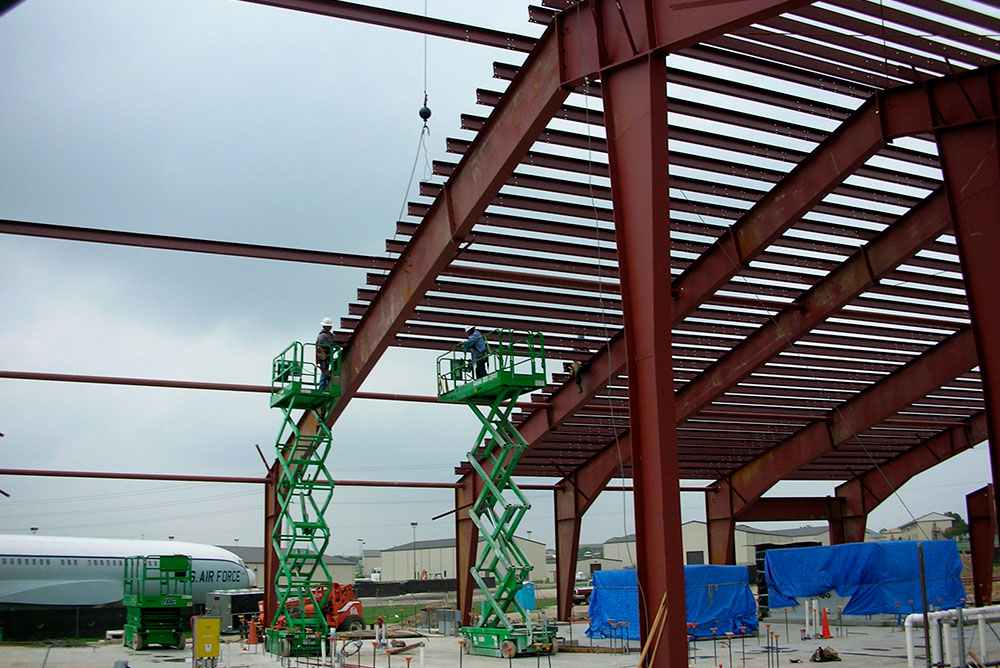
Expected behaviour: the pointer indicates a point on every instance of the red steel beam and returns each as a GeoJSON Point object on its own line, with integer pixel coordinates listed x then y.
{"type": "Point", "coordinates": [864, 492]}
{"type": "Point", "coordinates": [981, 508]}
{"type": "Point", "coordinates": [191, 245]}
{"type": "Point", "coordinates": [261, 481]}
{"type": "Point", "coordinates": [971, 165]}
{"type": "Point", "coordinates": [782, 508]}
{"type": "Point", "coordinates": [226, 387]}
{"type": "Point", "coordinates": [237, 249]}
{"type": "Point", "coordinates": [942, 363]}
{"type": "Point", "coordinates": [635, 105]}
{"type": "Point", "coordinates": [403, 21]}
{"type": "Point", "coordinates": [108, 475]}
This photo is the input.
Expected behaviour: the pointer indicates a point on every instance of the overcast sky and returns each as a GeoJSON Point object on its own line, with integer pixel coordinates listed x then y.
{"type": "Point", "coordinates": [225, 120]}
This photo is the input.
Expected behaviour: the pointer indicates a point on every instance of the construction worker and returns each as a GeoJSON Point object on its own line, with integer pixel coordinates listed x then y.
{"type": "Point", "coordinates": [475, 344]}
{"type": "Point", "coordinates": [324, 343]}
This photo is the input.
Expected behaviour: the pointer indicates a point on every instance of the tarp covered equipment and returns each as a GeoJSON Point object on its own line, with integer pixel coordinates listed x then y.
{"type": "Point", "coordinates": [716, 597]}
{"type": "Point", "coordinates": [876, 576]}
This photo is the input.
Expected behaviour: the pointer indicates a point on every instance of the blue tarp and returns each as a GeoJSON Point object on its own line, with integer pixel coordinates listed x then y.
{"type": "Point", "coordinates": [876, 576]}
{"type": "Point", "coordinates": [716, 596]}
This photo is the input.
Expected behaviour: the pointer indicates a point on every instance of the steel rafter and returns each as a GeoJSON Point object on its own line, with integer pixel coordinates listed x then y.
{"type": "Point", "coordinates": [942, 363]}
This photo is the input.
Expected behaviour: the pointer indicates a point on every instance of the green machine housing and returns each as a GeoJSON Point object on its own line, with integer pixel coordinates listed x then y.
{"type": "Point", "coordinates": [156, 599]}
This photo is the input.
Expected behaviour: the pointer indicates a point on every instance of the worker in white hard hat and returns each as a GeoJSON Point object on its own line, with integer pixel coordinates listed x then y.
{"type": "Point", "coordinates": [324, 343]}
{"type": "Point", "coordinates": [475, 345]}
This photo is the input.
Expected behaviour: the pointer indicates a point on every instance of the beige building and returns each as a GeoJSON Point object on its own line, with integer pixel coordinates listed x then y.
{"type": "Point", "coordinates": [436, 559]}
{"type": "Point", "coordinates": [371, 560]}
{"type": "Point", "coordinates": [695, 540]}
{"type": "Point", "coordinates": [341, 570]}
{"type": "Point", "coordinates": [928, 527]}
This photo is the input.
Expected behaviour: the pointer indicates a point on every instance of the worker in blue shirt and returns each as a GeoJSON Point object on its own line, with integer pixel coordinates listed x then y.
{"type": "Point", "coordinates": [475, 344]}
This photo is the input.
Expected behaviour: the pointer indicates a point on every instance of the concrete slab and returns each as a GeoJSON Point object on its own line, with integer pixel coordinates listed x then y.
{"type": "Point", "coordinates": [859, 646]}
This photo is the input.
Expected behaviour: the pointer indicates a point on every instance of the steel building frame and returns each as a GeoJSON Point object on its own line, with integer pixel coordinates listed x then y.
{"type": "Point", "coordinates": [763, 230]}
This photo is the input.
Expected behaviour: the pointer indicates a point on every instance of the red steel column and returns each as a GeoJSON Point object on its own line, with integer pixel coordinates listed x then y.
{"type": "Point", "coordinates": [635, 106]}
{"type": "Point", "coordinates": [971, 162]}
{"type": "Point", "coordinates": [271, 512]}
{"type": "Point", "coordinates": [568, 521]}
{"type": "Point", "coordinates": [466, 543]}
{"type": "Point", "coordinates": [721, 525]}
{"type": "Point", "coordinates": [982, 530]}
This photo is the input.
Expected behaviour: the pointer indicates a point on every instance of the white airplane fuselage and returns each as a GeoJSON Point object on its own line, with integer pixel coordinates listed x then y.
{"type": "Point", "coordinates": [56, 570]}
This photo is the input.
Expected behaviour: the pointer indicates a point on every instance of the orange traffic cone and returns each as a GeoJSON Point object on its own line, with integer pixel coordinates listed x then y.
{"type": "Point", "coordinates": [826, 626]}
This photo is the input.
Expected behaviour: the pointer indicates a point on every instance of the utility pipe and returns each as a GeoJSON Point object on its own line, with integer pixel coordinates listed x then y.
{"type": "Point", "coordinates": [981, 616]}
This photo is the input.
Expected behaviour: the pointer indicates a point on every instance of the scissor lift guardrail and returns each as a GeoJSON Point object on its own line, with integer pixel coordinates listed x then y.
{"type": "Point", "coordinates": [305, 488]}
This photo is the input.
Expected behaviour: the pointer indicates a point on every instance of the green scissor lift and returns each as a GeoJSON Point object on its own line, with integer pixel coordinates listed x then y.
{"type": "Point", "coordinates": [516, 365]}
{"type": "Point", "coordinates": [305, 487]}
{"type": "Point", "coordinates": [157, 594]}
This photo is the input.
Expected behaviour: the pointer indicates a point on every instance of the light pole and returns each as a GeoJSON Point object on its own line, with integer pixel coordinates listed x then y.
{"type": "Point", "coordinates": [361, 556]}
{"type": "Point", "coordinates": [414, 525]}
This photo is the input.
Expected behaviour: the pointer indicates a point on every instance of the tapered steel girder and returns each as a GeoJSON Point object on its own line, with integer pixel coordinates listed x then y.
{"type": "Point", "coordinates": [981, 508]}
{"type": "Point", "coordinates": [942, 363]}
{"type": "Point", "coordinates": [971, 160]}
{"type": "Point", "coordinates": [863, 493]}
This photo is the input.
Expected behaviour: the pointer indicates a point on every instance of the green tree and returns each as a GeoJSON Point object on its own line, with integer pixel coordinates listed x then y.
{"type": "Point", "coordinates": [958, 526]}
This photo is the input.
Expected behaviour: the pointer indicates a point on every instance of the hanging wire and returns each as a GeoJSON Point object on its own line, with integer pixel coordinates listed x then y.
{"type": "Point", "coordinates": [425, 131]}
